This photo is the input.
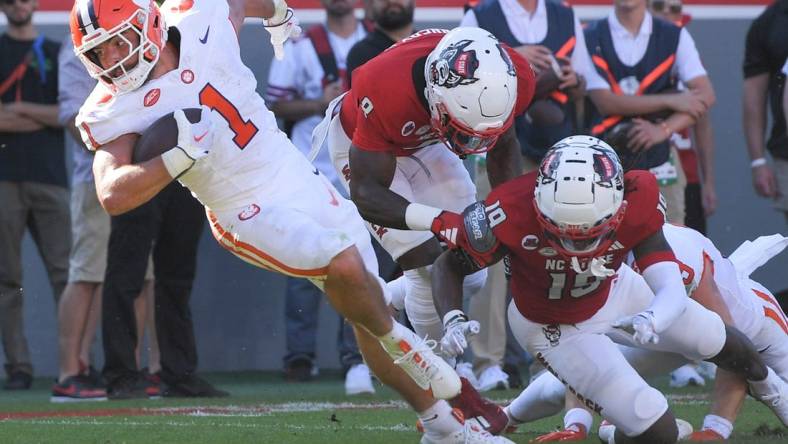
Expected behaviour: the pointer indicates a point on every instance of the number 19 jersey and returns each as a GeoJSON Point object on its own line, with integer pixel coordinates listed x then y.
{"type": "Point", "coordinates": [545, 288]}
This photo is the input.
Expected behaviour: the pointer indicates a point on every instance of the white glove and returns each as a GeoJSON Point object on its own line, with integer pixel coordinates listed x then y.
{"type": "Point", "coordinates": [194, 142]}
{"type": "Point", "coordinates": [457, 328]}
{"type": "Point", "coordinates": [282, 25]}
{"type": "Point", "coordinates": [641, 326]}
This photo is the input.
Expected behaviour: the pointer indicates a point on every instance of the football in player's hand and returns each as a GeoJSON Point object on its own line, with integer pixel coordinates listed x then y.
{"type": "Point", "coordinates": [161, 136]}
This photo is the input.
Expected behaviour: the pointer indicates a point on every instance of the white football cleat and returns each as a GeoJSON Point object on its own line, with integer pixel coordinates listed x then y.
{"type": "Point", "coordinates": [358, 380]}
{"type": "Point", "coordinates": [465, 370]}
{"type": "Point", "coordinates": [470, 433]}
{"type": "Point", "coordinates": [607, 430]}
{"type": "Point", "coordinates": [493, 378]}
{"type": "Point", "coordinates": [773, 393]}
{"type": "Point", "coordinates": [686, 375]}
{"type": "Point", "coordinates": [430, 372]}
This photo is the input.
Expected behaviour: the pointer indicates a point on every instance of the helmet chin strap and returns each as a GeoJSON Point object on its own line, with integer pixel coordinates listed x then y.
{"type": "Point", "coordinates": [596, 266]}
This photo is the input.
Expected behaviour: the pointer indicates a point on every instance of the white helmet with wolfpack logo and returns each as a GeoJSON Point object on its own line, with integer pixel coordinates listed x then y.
{"type": "Point", "coordinates": [579, 196]}
{"type": "Point", "coordinates": [94, 22]}
{"type": "Point", "coordinates": [471, 89]}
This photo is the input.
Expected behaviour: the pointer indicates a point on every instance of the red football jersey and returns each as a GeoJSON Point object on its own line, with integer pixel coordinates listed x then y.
{"type": "Point", "coordinates": [545, 287]}
{"type": "Point", "coordinates": [386, 110]}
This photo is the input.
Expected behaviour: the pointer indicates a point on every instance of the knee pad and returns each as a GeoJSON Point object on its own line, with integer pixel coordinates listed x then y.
{"type": "Point", "coordinates": [710, 343]}
{"type": "Point", "coordinates": [648, 406]}
{"type": "Point", "coordinates": [419, 304]}
{"type": "Point", "coordinates": [474, 283]}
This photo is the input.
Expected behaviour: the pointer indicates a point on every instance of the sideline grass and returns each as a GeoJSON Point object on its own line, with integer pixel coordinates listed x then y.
{"type": "Point", "coordinates": [264, 409]}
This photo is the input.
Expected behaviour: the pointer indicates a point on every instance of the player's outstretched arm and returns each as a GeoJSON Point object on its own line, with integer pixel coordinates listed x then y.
{"type": "Point", "coordinates": [504, 161]}
{"type": "Point", "coordinates": [448, 272]}
{"type": "Point", "coordinates": [122, 186]}
{"type": "Point", "coordinates": [662, 274]}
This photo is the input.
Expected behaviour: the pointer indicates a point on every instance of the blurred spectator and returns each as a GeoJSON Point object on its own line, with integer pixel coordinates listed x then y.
{"type": "Point", "coordinates": [300, 88]}
{"type": "Point", "coordinates": [170, 226]}
{"type": "Point", "coordinates": [79, 310]}
{"type": "Point", "coordinates": [765, 52]}
{"type": "Point", "coordinates": [393, 21]}
{"type": "Point", "coordinates": [80, 304]}
{"type": "Point", "coordinates": [697, 158]}
{"type": "Point", "coordinates": [549, 35]}
{"type": "Point", "coordinates": [638, 61]}
{"type": "Point", "coordinates": [33, 188]}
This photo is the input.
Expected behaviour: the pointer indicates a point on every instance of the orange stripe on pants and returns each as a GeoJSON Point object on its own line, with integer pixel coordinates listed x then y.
{"type": "Point", "coordinates": [777, 314]}
{"type": "Point", "coordinates": [255, 256]}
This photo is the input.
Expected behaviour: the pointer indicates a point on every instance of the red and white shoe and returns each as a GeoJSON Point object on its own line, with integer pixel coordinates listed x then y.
{"type": "Point", "coordinates": [468, 433]}
{"type": "Point", "coordinates": [489, 415]}
{"type": "Point", "coordinates": [562, 435]}
{"type": "Point", "coordinates": [414, 355]}
{"type": "Point", "coordinates": [706, 435]}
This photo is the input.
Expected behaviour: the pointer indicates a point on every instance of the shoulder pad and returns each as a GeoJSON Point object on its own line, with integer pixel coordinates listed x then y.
{"type": "Point", "coordinates": [477, 228]}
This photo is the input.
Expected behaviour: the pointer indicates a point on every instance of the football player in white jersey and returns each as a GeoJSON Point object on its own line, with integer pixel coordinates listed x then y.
{"type": "Point", "coordinates": [265, 202]}
{"type": "Point", "coordinates": [719, 284]}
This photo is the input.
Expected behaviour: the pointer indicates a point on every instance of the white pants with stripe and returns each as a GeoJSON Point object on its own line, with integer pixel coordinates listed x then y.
{"type": "Point", "coordinates": [296, 227]}
{"type": "Point", "coordinates": [586, 359]}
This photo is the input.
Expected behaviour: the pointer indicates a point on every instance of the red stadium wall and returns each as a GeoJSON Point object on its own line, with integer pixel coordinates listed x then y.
{"type": "Point", "coordinates": [62, 5]}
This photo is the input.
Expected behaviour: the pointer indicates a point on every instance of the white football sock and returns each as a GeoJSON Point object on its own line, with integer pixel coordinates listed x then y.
{"type": "Point", "coordinates": [397, 290]}
{"type": "Point", "coordinates": [578, 417]}
{"type": "Point", "coordinates": [419, 305]}
{"type": "Point", "coordinates": [718, 424]}
{"type": "Point", "coordinates": [439, 419]}
{"type": "Point", "coordinates": [397, 333]}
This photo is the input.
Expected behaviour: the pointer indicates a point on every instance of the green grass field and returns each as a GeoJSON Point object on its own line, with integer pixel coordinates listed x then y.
{"type": "Point", "coordinates": [265, 409]}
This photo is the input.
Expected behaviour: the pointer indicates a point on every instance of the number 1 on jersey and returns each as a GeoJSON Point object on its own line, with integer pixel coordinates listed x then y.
{"type": "Point", "coordinates": [244, 129]}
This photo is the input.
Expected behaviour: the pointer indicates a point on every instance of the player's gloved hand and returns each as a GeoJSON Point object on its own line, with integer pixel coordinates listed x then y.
{"type": "Point", "coordinates": [641, 326]}
{"type": "Point", "coordinates": [282, 25]}
{"type": "Point", "coordinates": [449, 228]}
{"type": "Point", "coordinates": [194, 142]}
{"type": "Point", "coordinates": [457, 328]}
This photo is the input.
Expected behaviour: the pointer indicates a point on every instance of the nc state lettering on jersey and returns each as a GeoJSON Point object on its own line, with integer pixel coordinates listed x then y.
{"type": "Point", "coordinates": [561, 265]}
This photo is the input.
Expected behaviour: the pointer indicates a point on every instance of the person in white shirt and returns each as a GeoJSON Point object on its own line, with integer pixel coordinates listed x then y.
{"type": "Point", "coordinates": [638, 61]}
{"type": "Point", "coordinates": [300, 87]}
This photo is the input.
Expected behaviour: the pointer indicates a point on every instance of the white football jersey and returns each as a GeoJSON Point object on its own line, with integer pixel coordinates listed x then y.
{"type": "Point", "coordinates": [210, 72]}
{"type": "Point", "coordinates": [690, 247]}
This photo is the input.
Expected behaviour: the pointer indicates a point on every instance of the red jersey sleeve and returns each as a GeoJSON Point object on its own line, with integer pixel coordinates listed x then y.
{"type": "Point", "coordinates": [526, 81]}
{"type": "Point", "coordinates": [645, 214]}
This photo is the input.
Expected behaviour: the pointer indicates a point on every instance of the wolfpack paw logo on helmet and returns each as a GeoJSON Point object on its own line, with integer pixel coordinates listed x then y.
{"type": "Point", "coordinates": [549, 165]}
{"type": "Point", "coordinates": [455, 66]}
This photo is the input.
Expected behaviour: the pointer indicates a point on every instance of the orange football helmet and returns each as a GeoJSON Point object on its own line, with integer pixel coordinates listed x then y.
{"type": "Point", "coordinates": [94, 22]}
